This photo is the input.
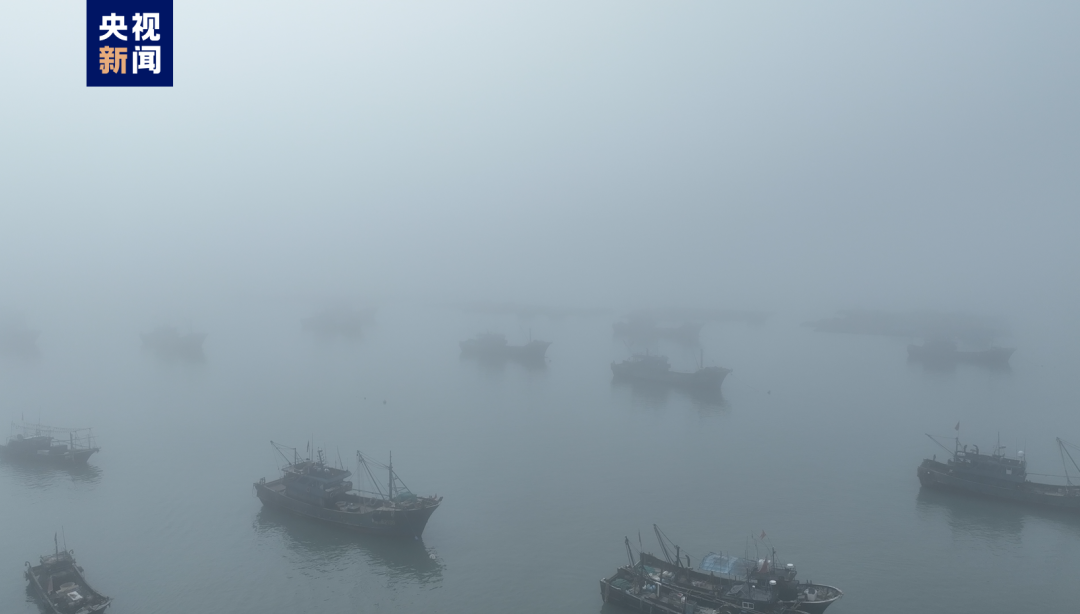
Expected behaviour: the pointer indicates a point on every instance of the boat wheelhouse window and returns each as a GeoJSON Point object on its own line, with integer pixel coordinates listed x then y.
{"type": "Point", "coordinates": [747, 605]}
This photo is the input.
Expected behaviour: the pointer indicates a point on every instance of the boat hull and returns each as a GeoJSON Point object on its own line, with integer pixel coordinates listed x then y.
{"type": "Point", "coordinates": [617, 596]}
{"type": "Point", "coordinates": [400, 523]}
{"type": "Point", "coordinates": [47, 456]}
{"type": "Point", "coordinates": [711, 589]}
{"type": "Point", "coordinates": [645, 601]}
{"type": "Point", "coordinates": [63, 566]}
{"type": "Point", "coordinates": [933, 474]}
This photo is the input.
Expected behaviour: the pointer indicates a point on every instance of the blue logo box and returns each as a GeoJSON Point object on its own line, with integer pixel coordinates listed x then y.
{"type": "Point", "coordinates": [129, 43]}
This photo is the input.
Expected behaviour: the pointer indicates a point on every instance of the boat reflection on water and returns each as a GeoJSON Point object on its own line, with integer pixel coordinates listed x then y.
{"type": "Point", "coordinates": [42, 475]}
{"type": "Point", "coordinates": [990, 518]}
{"type": "Point", "coordinates": [657, 395]}
{"type": "Point", "coordinates": [322, 544]}
{"type": "Point", "coordinates": [986, 518]}
{"type": "Point", "coordinates": [493, 365]}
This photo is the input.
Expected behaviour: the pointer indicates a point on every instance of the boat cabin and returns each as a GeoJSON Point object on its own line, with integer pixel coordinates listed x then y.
{"type": "Point", "coordinates": [994, 466]}
{"type": "Point", "coordinates": [316, 483]}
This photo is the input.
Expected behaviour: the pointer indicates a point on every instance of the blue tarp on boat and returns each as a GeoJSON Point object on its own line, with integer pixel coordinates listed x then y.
{"type": "Point", "coordinates": [726, 565]}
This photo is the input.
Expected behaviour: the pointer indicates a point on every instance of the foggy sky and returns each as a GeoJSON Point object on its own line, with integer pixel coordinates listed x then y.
{"type": "Point", "coordinates": [782, 155]}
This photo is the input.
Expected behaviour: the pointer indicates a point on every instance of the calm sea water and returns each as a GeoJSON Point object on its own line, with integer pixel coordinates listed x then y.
{"type": "Point", "coordinates": [544, 471]}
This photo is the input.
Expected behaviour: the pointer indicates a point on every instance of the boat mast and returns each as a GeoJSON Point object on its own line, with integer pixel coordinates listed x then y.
{"type": "Point", "coordinates": [659, 538]}
{"type": "Point", "coordinates": [1064, 452]}
{"type": "Point", "coordinates": [391, 468]}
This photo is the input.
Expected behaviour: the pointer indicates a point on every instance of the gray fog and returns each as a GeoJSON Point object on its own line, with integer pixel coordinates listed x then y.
{"type": "Point", "coordinates": [434, 170]}
{"type": "Point", "coordinates": [606, 153]}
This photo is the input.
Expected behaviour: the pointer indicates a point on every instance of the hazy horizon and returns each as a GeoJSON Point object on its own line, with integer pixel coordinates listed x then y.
{"type": "Point", "coordinates": [804, 157]}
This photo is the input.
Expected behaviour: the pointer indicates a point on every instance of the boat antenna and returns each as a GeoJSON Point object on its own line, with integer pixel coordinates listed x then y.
{"type": "Point", "coordinates": [629, 552]}
{"type": "Point", "coordinates": [64, 535]}
{"type": "Point", "coordinates": [391, 468]}
{"type": "Point", "coordinates": [56, 544]}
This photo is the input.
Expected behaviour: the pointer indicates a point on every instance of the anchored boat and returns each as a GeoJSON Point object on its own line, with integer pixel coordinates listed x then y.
{"type": "Point", "coordinates": [720, 578]}
{"type": "Point", "coordinates": [49, 444]}
{"type": "Point", "coordinates": [493, 346]}
{"type": "Point", "coordinates": [655, 369]}
{"type": "Point", "coordinates": [645, 589]}
{"type": "Point", "coordinates": [59, 583]}
{"type": "Point", "coordinates": [318, 490]}
{"type": "Point", "coordinates": [996, 475]}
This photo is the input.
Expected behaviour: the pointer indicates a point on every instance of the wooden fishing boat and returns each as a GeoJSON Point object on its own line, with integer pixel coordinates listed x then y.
{"type": "Point", "coordinates": [315, 489]}
{"type": "Point", "coordinates": [59, 584]}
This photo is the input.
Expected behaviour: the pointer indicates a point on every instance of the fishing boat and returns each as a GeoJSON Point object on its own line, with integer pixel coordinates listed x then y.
{"type": "Point", "coordinates": [739, 580]}
{"type": "Point", "coordinates": [656, 369]}
{"type": "Point", "coordinates": [633, 587]}
{"type": "Point", "coordinates": [58, 582]}
{"type": "Point", "coordinates": [313, 488]}
{"type": "Point", "coordinates": [493, 346]}
{"type": "Point", "coordinates": [969, 471]}
{"type": "Point", "coordinates": [725, 578]}
{"type": "Point", "coordinates": [49, 444]}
